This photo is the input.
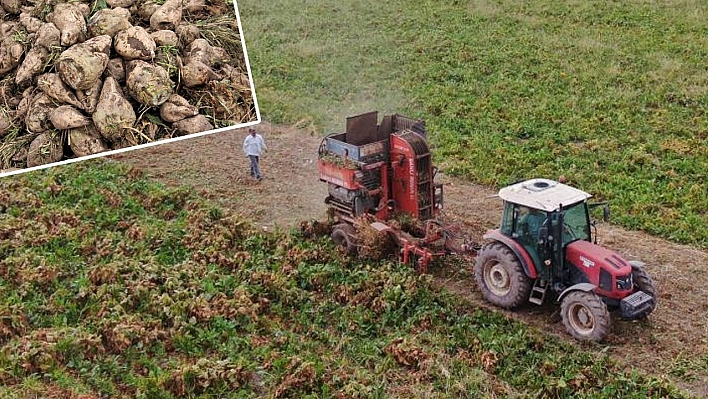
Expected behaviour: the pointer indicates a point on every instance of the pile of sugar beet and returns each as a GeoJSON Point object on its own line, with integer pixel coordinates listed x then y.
{"type": "Point", "coordinates": [79, 78]}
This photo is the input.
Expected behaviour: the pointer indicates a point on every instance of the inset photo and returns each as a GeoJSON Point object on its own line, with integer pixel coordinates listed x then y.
{"type": "Point", "coordinates": [82, 79]}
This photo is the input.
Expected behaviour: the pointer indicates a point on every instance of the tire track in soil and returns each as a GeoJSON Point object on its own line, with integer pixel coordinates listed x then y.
{"type": "Point", "coordinates": [290, 192]}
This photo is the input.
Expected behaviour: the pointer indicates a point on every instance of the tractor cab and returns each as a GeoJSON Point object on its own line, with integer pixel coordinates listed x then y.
{"type": "Point", "coordinates": [544, 216]}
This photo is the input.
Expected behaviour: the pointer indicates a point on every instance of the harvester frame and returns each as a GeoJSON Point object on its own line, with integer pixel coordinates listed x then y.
{"type": "Point", "coordinates": [381, 170]}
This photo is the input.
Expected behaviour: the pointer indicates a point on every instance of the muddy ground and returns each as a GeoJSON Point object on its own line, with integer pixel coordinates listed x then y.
{"type": "Point", "coordinates": [673, 342]}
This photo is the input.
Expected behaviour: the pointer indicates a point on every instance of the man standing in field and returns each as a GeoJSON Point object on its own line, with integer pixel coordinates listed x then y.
{"type": "Point", "coordinates": [253, 147]}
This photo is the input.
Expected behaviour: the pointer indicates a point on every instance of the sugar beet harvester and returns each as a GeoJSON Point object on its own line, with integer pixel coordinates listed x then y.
{"type": "Point", "coordinates": [377, 172]}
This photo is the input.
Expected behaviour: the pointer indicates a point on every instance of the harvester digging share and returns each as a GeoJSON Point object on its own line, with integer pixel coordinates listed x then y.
{"type": "Point", "coordinates": [380, 176]}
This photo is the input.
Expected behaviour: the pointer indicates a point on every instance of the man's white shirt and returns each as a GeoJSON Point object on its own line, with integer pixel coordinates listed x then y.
{"type": "Point", "coordinates": [254, 145]}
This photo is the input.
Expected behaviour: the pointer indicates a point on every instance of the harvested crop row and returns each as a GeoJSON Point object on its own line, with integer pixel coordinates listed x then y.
{"type": "Point", "coordinates": [79, 78]}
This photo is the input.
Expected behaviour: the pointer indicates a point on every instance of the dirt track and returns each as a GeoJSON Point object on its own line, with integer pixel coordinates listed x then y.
{"type": "Point", "coordinates": [673, 342]}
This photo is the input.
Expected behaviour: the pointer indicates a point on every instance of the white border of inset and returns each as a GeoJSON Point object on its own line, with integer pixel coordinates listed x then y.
{"type": "Point", "coordinates": [159, 142]}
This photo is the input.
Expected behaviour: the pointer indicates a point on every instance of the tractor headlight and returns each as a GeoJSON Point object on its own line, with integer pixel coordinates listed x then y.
{"type": "Point", "coordinates": [624, 283]}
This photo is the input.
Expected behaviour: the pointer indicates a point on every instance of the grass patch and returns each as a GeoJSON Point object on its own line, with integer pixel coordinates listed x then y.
{"type": "Point", "coordinates": [612, 95]}
{"type": "Point", "coordinates": [111, 285]}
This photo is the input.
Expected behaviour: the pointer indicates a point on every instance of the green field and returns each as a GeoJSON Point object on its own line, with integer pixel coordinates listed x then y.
{"type": "Point", "coordinates": [114, 286]}
{"type": "Point", "coordinates": [611, 94]}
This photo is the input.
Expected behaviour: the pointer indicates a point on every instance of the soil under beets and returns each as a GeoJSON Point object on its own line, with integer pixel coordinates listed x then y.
{"type": "Point", "coordinates": [675, 335]}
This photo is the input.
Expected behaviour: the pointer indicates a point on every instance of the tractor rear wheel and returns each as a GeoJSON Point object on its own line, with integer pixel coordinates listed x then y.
{"type": "Point", "coordinates": [344, 237]}
{"type": "Point", "coordinates": [642, 282]}
{"type": "Point", "coordinates": [500, 276]}
{"type": "Point", "coordinates": [585, 316]}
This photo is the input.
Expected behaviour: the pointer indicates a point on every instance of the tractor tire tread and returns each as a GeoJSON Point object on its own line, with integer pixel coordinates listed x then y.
{"type": "Point", "coordinates": [643, 282]}
{"type": "Point", "coordinates": [521, 284]}
{"type": "Point", "coordinates": [598, 309]}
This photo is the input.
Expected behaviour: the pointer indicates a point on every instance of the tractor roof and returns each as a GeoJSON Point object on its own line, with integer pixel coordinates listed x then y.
{"type": "Point", "coordinates": [543, 194]}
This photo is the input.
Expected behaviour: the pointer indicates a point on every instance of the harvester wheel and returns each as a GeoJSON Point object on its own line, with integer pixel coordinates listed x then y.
{"type": "Point", "coordinates": [344, 237]}
{"type": "Point", "coordinates": [500, 276]}
{"type": "Point", "coordinates": [642, 282]}
{"type": "Point", "coordinates": [585, 316]}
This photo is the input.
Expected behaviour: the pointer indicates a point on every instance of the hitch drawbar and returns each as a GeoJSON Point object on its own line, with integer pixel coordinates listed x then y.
{"type": "Point", "coordinates": [635, 305]}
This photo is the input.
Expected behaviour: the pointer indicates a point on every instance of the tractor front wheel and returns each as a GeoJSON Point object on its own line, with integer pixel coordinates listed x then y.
{"type": "Point", "coordinates": [500, 276]}
{"type": "Point", "coordinates": [585, 316]}
{"type": "Point", "coordinates": [642, 282]}
{"type": "Point", "coordinates": [344, 237]}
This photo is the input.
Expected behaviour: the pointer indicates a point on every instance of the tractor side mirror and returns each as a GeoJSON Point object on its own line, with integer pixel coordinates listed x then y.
{"type": "Point", "coordinates": [605, 210]}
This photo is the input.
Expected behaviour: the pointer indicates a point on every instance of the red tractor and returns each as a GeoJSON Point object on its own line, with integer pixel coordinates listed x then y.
{"type": "Point", "coordinates": [380, 171]}
{"type": "Point", "coordinates": [545, 244]}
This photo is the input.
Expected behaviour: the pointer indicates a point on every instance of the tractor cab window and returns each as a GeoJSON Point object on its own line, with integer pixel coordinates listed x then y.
{"type": "Point", "coordinates": [507, 223]}
{"type": "Point", "coordinates": [576, 225]}
{"type": "Point", "coordinates": [529, 222]}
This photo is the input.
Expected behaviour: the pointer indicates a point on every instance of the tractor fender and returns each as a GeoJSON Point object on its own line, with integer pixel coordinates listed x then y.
{"type": "Point", "coordinates": [636, 264]}
{"type": "Point", "coordinates": [587, 287]}
{"type": "Point", "coordinates": [517, 249]}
